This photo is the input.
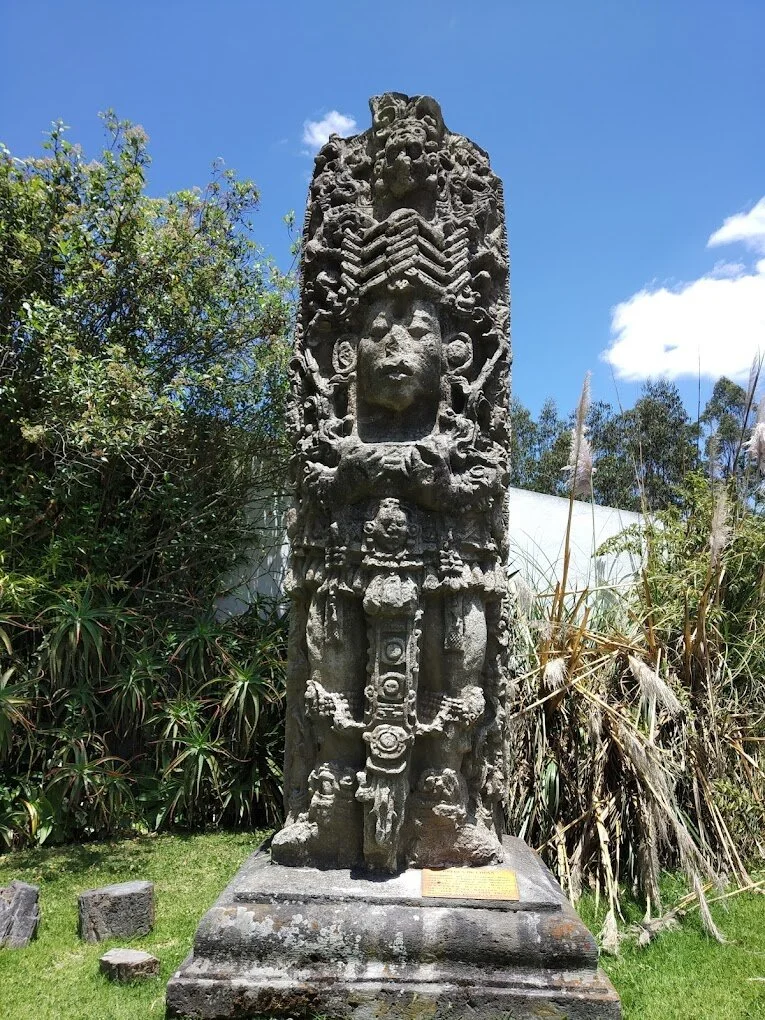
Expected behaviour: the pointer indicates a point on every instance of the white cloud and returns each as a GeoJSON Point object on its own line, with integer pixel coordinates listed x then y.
{"type": "Point", "coordinates": [727, 269]}
{"type": "Point", "coordinates": [715, 324]}
{"type": "Point", "coordinates": [749, 228]}
{"type": "Point", "coordinates": [317, 132]}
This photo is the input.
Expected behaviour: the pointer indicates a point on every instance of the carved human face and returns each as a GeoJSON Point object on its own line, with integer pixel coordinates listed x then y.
{"type": "Point", "coordinates": [391, 526]}
{"type": "Point", "coordinates": [408, 136]}
{"type": "Point", "coordinates": [399, 356]}
{"type": "Point", "coordinates": [407, 163]}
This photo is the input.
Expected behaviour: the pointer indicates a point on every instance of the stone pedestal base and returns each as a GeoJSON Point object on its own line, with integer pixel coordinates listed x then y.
{"type": "Point", "coordinates": [298, 942]}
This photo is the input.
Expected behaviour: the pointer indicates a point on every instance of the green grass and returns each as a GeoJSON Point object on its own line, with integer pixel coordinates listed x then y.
{"type": "Point", "coordinates": [57, 977]}
{"type": "Point", "coordinates": [683, 975]}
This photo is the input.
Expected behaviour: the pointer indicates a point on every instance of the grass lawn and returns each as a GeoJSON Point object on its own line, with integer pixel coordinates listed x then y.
{"type": "Point", "coordinates": [684, 975]}
{"type": "Point", "coordinates": [687, 975]}
{"type": "Point", "coordinates": [57, 977]}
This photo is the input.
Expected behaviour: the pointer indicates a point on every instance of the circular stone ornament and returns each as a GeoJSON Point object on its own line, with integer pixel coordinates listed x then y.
{"type": "Point", "coordinates": [388, 743]}
{"type": "Point", "coordinates": [394, 650]}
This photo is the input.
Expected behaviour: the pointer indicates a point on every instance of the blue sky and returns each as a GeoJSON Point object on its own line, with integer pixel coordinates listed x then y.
{"type": "Point", "coordinates": [628, 134]}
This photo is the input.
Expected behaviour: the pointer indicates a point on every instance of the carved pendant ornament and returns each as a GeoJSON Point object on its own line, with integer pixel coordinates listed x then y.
{"type": "Point", "coordinates": [399, 659]}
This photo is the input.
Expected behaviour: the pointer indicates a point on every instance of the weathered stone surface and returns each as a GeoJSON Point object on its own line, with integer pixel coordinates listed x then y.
{"type": "Point", "coordinates": [295, 941]}
{"type": "Point", "coordinates": [117, 911]}
{"type": "Point", "coordinates": [19, 914]}
{"type": "Point", "coordinates": [402, 643]}
{"type": "Point", "coordinates": [399, 656]}
{"type": "Point", "coordinates": [128, 965]}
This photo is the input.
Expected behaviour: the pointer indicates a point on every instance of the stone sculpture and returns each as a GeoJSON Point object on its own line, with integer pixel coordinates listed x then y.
{"type": "Point", "coordinates": [402, 641]}
{"type": "Point", "coordinates": [398, 664]}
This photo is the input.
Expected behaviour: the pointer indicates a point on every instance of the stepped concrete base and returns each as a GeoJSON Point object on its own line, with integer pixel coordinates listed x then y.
{"type": "Point", "coordinates": [298, 942]}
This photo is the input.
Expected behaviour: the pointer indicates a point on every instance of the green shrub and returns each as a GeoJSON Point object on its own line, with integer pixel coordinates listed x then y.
{"type": "Point", "coordinates": [143, 358]}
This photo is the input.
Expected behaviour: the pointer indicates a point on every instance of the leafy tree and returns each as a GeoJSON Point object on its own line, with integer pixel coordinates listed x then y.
{"type": "Point", "coordinates": [143, 354]}
{"type": "Point", "coordinates": [641, 455]}
{"type": "Point", "coordinates": [539, 449]}
{"type": "Point", "coordinates": [552, 449]}
{"type": "Point", "coordinates": [143, 366]}
{"type": "Point", "coordinates": [723, 418]}
{"type": "Point", "coordinates": [523, 442]}
{"type": "Point", "coordinates": [662, 439]}
{"type": "Point", "coordinates": [614, 478]}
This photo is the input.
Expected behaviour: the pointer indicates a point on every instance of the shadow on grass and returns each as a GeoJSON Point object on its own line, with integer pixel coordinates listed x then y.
{"type": "Point", "coordinates": [73, 860]}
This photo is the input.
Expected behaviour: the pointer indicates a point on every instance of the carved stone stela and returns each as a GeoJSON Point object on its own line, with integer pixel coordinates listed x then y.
{"type": "Point", "coordinates": [398, 662]}
{"type": "Point", "coordinates": [391, 891]}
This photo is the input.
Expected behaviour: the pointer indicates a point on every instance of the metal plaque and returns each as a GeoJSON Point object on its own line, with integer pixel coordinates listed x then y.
{"type": "Point", "coordinates": [470, 884]}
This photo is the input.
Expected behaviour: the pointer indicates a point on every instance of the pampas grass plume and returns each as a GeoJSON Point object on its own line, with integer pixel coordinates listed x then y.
{"type": "Point", "coordinates": [755, 446]}
{"type": "Point", "coordinates": [707, 921]}
{"type": "Point", "coordinates": [652, 687]}
{"type": "Point", "coordinates": [580, 464]}
{"type": "Point", "coordinates": [609, 935]}
{"type": "Point", "coordinates": [720, 533]}
{"type": "Point", "coordinates": [754, 376]}
{"type": "Point", "coordinates": [583, 407]}
{"type": "Point", "coordinates": [555, 674]}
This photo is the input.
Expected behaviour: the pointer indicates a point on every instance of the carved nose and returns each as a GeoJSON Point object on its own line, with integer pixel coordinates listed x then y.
{"type": "Point", "coordinates": [396, 340]}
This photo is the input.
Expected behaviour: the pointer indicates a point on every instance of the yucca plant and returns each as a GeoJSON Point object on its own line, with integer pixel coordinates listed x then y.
{"type": "Point", "coordinates": [15, 710]}
{"type": "Point", "coordinates": [129, 690]}
{"type": "Point", "coordinates": [84, 634]}
{"type": "Point", "coordinates": [14, 819]}
{"type": "Point", "coordinates": [196, 774]}
{"type": "Point", "coordinates": [198, 648]}
{"type": "Point", "coordinates": [90, 790]}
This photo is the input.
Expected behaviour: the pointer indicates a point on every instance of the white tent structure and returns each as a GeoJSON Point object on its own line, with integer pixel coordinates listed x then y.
{"type": "Point", "coordinates": [537, 540]}
{"type": "Point", "coordinates": [537, 537]}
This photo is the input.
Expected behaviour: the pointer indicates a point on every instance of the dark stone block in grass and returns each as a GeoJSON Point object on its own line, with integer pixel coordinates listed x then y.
{"type": "Point", "coordinates": [128, 965]}
{"type": "Point", "coordinates": [117, 911]}
{"type": "Point", "coordinates": [19, 914]}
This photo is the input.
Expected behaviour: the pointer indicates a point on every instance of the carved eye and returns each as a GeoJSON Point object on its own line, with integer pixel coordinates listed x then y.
{"type": "Point", "coordinates": [386, 115]}
{"type": "Point", "coordinates": [418, 330]}
{"type": "Point", "coordinates": [394, 651]}
{"type": "Point", "coordinates": [459, 352]}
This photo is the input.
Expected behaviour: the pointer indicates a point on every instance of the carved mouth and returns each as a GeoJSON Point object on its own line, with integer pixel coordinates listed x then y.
{"type": "Point", "coordinates": [397, 373]}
